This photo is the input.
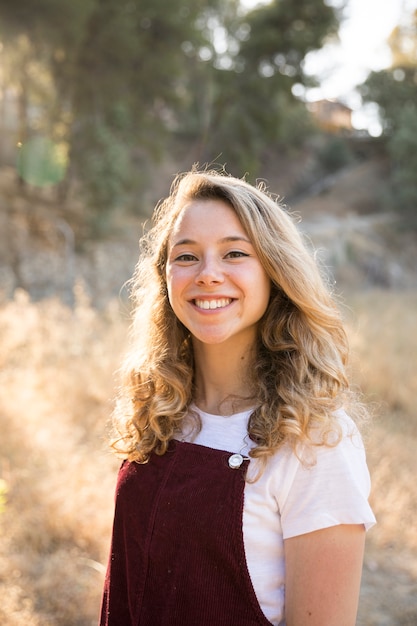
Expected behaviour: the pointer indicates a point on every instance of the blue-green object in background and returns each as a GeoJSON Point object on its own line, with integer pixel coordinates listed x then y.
{"type": "Point", "coordinates": [41, 162]}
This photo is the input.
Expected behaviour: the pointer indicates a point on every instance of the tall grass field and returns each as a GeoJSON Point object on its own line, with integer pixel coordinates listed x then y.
{"type": "Point", "coordinates": [58, 373]}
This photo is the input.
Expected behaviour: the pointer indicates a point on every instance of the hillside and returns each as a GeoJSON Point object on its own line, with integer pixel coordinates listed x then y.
{"type": "Point", "coordinates": [43, 252]}
{"type": "Point", "coordinates": [361, 242]}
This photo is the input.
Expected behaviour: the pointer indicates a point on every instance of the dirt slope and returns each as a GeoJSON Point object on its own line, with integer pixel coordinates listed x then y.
{"type": "Point", "coordinates": [359, 243]}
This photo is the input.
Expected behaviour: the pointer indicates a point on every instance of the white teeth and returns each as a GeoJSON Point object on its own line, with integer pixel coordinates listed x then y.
{"type": "Point", "coordinates": [213, 304]}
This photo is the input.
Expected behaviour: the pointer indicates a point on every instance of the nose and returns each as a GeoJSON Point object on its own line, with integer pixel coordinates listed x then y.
{"type": "Point", "coordinates": [209, 272]}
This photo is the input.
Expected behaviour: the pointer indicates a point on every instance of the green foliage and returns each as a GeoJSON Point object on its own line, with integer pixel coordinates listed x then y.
{"type": "Point", "coordinates": [402, 148]}
{"type": "Point", "coordinates": [130, 68]}
{"type": "Point", "coordinates": [335, 154]}
{"type": "Point", "coordinates": [296, 123]}
{"type": "Point", "coordinates": [395, 92]}
{"type": "Point", "coordinates": [106, 166]}
{"type": "Point", "coordinates": [392, 90]}
{"type": "Point", "coordinates": [126, 76]}
{"type": "Point", "coordinates": [283, 31]}
{"type": "Point", "coordinates": [251, 103]}
{"type": "Point", "coordinates": [41, 162]}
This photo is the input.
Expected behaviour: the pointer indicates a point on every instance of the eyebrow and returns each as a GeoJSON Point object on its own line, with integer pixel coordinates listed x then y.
{"type": "Point", "coordinates": [229, 239]}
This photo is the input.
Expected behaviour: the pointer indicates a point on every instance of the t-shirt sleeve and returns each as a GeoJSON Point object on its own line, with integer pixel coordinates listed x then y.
{"type": "Point", "coordinates": [335, 490]}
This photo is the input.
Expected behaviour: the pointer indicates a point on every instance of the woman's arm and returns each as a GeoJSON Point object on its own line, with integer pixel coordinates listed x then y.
{"type": "Point", "coordinates": [323, 575]}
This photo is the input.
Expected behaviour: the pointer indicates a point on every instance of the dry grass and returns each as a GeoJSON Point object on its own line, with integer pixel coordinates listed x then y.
{"type": "Point", "coordinates": [57, 370]}
{"type": "Point", "coordinates": [57, 379]}
{"type": "Point", "coordinates": [384, 342]}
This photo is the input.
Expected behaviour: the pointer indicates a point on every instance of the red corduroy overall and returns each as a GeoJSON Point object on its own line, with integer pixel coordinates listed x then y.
{"type": "Point", "coordinates": [177, 555]}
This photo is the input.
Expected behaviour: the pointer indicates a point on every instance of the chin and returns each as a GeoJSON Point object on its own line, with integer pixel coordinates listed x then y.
{"type": "Point", "coordinates": [211, 339]}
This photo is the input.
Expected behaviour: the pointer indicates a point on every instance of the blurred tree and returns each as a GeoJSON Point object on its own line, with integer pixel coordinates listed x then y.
{"type": "Point", "coordinates": [45, 33]}
{"type": "Point", "coordinates": [119, 69]}
{"type": "Point", "coordinates": [252, 103]}
{"type": "Point", "coordinates": [402, 149]}
{"type": "Point", "coordinates": [40, 41]}
{"type": "Point", "coordinates": [393, 88]}
{"type": "Point", "coordinates": [128, 74]}
{"type": "Point", "coordinates": [395, 91]}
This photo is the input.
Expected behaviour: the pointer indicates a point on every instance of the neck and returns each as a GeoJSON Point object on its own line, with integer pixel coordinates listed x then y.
{"type": "Point", "coordinates": [222, 378]}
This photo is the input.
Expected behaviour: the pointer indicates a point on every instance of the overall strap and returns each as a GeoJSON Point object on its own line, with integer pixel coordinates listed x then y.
{"type": "Point", "coordinates": [178, 555]}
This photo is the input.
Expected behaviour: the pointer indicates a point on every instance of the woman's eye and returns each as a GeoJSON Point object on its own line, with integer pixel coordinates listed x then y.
{"type": "Point", "coordinates": [235, 254]}
{"type": "Point", "coordinates": [185, 258]}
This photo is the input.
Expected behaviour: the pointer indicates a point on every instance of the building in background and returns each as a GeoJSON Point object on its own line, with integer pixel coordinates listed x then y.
{"type": "Point", "coordinates": [332, 116]}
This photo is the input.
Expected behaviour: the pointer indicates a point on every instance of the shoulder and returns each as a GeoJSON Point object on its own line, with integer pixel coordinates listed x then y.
{"type": "Point", "coordinates": [338, 457]}
{"type": "Point", "coordinates": [341, 442]}
{"type": "Point", "coordinates": [340, 435]}
{"type": "Point", "coordinates": [322, 485]}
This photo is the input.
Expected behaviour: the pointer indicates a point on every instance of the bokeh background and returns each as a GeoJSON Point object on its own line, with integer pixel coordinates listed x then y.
{"type": "Point", "coordinates": [102, 102]}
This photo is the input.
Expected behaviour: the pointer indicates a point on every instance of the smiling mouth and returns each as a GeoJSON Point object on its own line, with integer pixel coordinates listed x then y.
{"type": "Point", "coordinates": [212, 304]}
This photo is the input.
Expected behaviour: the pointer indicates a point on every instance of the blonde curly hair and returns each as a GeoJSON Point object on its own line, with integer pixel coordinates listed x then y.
{"type": "Point", "coordinates": [301, 353]}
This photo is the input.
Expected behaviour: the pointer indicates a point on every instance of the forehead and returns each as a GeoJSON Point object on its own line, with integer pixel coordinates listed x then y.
{"type": "Point", "coordinates": [206, 216]}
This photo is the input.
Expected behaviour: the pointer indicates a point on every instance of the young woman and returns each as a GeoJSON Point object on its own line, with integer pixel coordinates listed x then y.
{"type": "Point", "coordinates": [242, 499]}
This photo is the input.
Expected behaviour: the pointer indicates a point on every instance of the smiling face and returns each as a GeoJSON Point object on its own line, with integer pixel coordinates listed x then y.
{"type": "Point", "coordinates": [216, 284]}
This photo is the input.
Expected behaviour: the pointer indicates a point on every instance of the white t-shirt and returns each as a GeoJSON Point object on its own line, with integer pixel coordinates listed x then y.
{"type": "Point", "coordinates": [290, 498]}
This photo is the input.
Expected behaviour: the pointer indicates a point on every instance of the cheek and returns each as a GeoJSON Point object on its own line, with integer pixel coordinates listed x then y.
{"type": "Point", "coordinates": [170, 289]}
{"type": "Point", "coordinates": [174, 286]}
{"type": "Point", "coordinates": [264, 287]}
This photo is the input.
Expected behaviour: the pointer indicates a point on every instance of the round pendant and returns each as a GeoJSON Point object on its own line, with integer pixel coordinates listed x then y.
{"type": "Point", "coordinates": [235, 461]}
